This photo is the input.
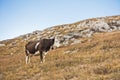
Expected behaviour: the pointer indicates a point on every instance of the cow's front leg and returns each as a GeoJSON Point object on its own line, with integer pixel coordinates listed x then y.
{"type": "Point", "coordinates": [44, 56]}
{"type": "Point", "coordinates": [27, 59]}
{"type": "Point", "coordinates": [41, 56]}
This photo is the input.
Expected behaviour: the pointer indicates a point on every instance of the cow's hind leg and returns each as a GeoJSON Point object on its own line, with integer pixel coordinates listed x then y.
{"type": "Point", "coordinates": [41, 56]}
{"type": "Point", "coordinates": [27, 57]}
{"type": "Point", "coordinates": [44, 56]}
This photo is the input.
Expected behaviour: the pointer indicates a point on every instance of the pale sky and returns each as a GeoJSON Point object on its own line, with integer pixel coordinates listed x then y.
{"type": "Point", "coordinates": [18, 17]}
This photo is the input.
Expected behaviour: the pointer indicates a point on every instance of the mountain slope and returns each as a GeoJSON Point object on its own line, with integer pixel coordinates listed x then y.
{"type": "Point", "coordinates": [94, 57]}
{"type": "Point", "coordinates": [69, 33]}
{"type": "Point", "coordinates": [97, 58]}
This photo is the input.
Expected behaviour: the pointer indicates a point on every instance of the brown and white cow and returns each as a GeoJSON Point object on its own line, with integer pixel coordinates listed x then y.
{"type": "Point", "coordinates": [43, 46]}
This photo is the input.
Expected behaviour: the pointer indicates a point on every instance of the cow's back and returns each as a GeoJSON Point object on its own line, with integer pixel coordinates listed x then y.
{"type": "Point", "coordinates": [31, 46]}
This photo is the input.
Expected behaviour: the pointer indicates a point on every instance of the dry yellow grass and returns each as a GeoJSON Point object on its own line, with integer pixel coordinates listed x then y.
{"type": "Point", "coordinates": [97, 58]}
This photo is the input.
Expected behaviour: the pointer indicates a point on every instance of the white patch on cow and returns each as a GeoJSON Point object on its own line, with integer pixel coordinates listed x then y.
{"type": "Point", "coordinates": [37, 45]}
{"type": "Point", "coordinates": [28, 52]}
{"type": "Point", "coordinates": [36, 53]}
{"type": "Point", "coordinates": [45, 53]}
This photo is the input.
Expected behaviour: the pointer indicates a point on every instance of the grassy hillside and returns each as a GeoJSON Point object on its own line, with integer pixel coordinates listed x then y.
{"type": "Point", "coordinates": [96, 58]}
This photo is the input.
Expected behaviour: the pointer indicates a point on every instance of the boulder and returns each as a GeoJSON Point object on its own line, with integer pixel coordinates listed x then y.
{"type": "Point", "coordinates": [1, 45]}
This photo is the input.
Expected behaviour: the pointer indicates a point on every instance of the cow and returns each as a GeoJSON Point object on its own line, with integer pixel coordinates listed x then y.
{"type": "Point", "coordinates": [42, 45]}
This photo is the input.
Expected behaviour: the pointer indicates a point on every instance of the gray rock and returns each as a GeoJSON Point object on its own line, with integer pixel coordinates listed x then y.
{"type": "Point", "coordinates": [118, 22]}
{"type": "Point", "coordinates": [114, 28]}
{"type": "Point", "coordinates": [1, 45]}
{"type": "Point", "coordinates": [75, 41]}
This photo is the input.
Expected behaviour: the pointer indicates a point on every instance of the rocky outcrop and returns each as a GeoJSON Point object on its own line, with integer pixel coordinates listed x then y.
{"type": "Point", "coordinates": [69, 34]}
{"type": "Point", "coordinates": [1, 45]}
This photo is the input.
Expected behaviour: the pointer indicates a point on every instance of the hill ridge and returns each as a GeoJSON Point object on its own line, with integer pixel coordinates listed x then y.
{"type": "Point", "coordinates": [84, 28]}
{"type": "Point", "coordinates": [69, 34]}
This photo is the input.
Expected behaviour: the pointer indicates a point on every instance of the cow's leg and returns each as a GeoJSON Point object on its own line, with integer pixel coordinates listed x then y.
{"type": "Point", "coordinates": [27, 57]}
{"type": "Point", "coordinates": [44, 56]}
{"type": "Point", "coordinates": [27, 53]}
{"type": "Point", "coordinates": [41, 56]}
{"type": "Point", "coordinates": [30, 56]}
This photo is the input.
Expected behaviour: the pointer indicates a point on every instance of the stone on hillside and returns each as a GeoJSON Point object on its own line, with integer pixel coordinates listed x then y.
{"type": "Point", "coordinates": [114, 28]}
{"type": "Point", "coordinates": [1, 45]}
{"type": "Point", "coordinates": [100, 26]}
{"type": "Point", "coordinates": [57, 43]}
{"type": "Point", "coordinates": [67, 36]}
{"type": "Point", "coordinates": [13, 43]}
{"type": "Point", "coordinates": [118, 28]}
{"type": "Point", "coordinates": [89, 34]}
{"type": "Point", "coordinates": [118, 22]}
{"type": "Point", "coordinates": [65, 43]}
{"type": "Point", "coordinates": [75, 41]}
